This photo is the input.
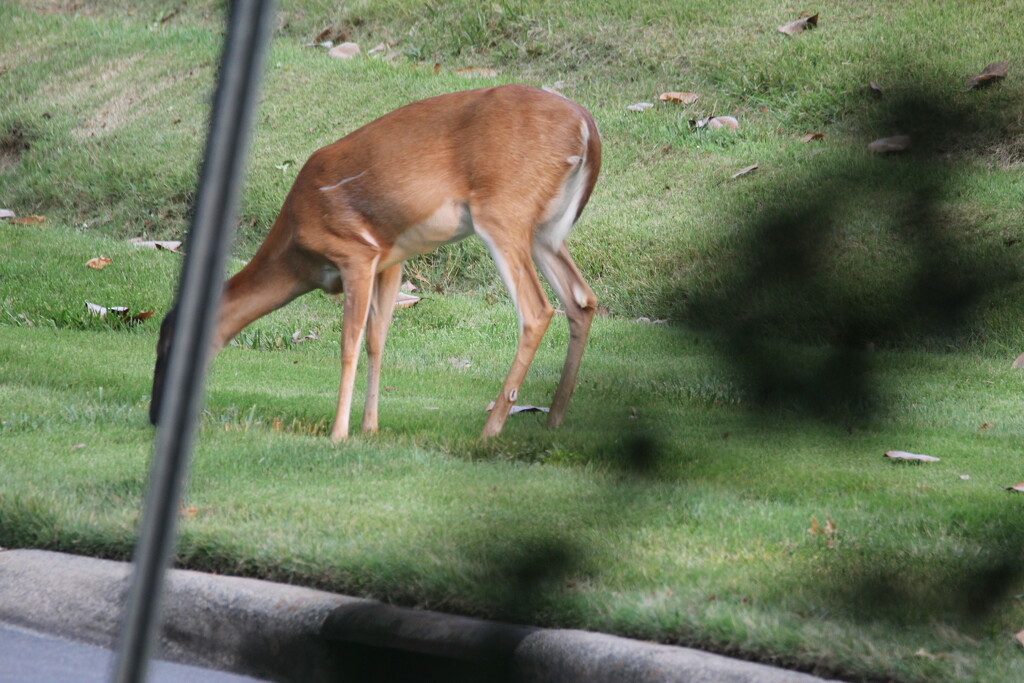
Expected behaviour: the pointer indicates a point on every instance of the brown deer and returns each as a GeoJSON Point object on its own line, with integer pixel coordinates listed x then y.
{"type": "Point", "coordinates": [512, 164]}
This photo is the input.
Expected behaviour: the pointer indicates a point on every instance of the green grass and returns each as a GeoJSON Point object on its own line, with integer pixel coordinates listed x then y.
{"type": "Point", "coordinates": [663, 510]}
{"type": "Point", "coordinates": [825, 309]}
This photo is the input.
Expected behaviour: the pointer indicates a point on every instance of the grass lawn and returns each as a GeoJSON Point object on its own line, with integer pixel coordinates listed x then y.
{"type": "Point", "coordinates": [719, 481]}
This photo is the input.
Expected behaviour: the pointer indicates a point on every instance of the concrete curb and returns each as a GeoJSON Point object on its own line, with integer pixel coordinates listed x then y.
{"type": "Point", "coordinates": [287, 633]}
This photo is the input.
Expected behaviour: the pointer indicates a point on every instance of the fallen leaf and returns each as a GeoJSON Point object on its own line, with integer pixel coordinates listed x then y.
{"type": "Point", "coordinates": [406, 300]}
{"type": "Point", "coordinates": [910, 457]}
{"type": "Point", "coordinates": [118, 311]}
{"type": "Point", "coordinates": [990, 74]}
{"type": "Point", "coordinates": [680, 97]}
{"type": "Point", "coordinates": [160, 245]}
{"type": "Point", "coordinates": [298, 338]}
{"type": "Point", "coordinates": [188, 512]}
{"type": "Point", "coordinates": [815, 527]}
{"type": "Point", "coordinates": [514, 410]}
{"type": "Point", "coordinates": [344, 51]}
{"type": "Point", "coordinates": [985, 425]}
{"type": "Point", "coordinates": [1020, 637]}
{"type": "Point", "coordinates": [6, 213]}
{"type": "Point", "coordinates": [29, 220]}
{"type": "Point", "coordinates": [965, 477]}
{"type": "Point", "coordinates": [729, 122]}
{"type": "Point", "coordinates": [744, 171]}
{"type": "Point", "coordinates": [875, 89]}
{"type": "Point", "coordinates": [640, 106]}
{"type": "Point", "coordinates": [459, 362]}
{"type": "Point", "coordinates": [527, 409]}
{"type": "Point", "coordinates": [477, 72]}
{"type": "Point", "coordinates": [896, 143]}
{"type": "Point", "coordinates": [1018, 488]}
{"type": "Point", "coordinates": [1019, 363]}
{"type": "Point", "coordinates": [810, 137]}
{"type": "Point", "coordinates": [799, 26]}
{"type": "Point", "coordinates": [97, 310]}
{"type": "Point", "coordinates": [830, 528]}
{"type": "Point", "coordinates": [77, 446]}
{"type": "Point", "coordinates": [99, 263]}
{"type": "Point", "coordinates": [408, 286]}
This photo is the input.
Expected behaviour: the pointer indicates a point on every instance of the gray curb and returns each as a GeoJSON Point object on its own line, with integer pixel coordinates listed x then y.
{"type": "Point", "coordinates": [287, 633]}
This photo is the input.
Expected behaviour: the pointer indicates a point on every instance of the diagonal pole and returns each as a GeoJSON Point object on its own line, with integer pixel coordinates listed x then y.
{"type": "Point", "coordinates": [199, 291]}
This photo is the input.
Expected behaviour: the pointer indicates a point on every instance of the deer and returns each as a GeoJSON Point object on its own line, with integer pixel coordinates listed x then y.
{"type": "Point", "coordinates": [512, 164]}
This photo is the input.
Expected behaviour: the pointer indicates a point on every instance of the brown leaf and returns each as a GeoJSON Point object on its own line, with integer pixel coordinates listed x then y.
{"type": "Point", "coordinates": [1020, 637]}
{"type": "Point", "coordinates": [896, 143]}
{"type": "Point", "coordinates": [744, 171]}
{"type": "Point", "coordinates": [1017, 488]}
{"type": "Point", "coordinates": [344, 51]}
{"type": "Point", "coordinates": [990, 74]}
{"type": "Point", "coordinates": [815, 527]}
{"type": "Point", "coordinates": [729, 122]}
{"type": "Point", "coordinates": [140, 318]}
{"type": "Point", "coordinates": [716, 122]}
{"type": "Point", "coordinates": [812, 136]}
{"type": "Point", "coordinates": [188, 512]}
{"type": "Point", "coordinates": [681, 97]}
{"type": "Point", "coordinates": [406, 300]}
{"type": "Point", "coordinates": [799, 26]}
{"type": "Point", "coordinates": [830, 528]}
{"type": "Point", "coordinates": [477, 72]}
{"type": "Point", "coordinates": [99, 263]}
{"type": "Point", "coordinates": [909, 457]}
{"type": "Point", "coordinates": [77, 446]}
{"type": "Point", "coordinates": [29, 220]}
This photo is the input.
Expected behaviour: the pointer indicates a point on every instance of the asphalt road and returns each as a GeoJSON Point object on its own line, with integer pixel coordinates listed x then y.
{"type": "Point", "coordinates": [28, 657]}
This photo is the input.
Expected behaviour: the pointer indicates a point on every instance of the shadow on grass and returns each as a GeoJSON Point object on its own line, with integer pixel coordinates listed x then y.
{"type": "Point", "coordinates": [860, 251]}
{"type": "Point", "coordinates": [855, 251]}
{"type": "Point", "coordinates": [978, 572]}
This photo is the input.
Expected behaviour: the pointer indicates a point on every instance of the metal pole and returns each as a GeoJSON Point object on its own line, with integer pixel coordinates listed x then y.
{"type": "Point", "coordinates": [202, 277]}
